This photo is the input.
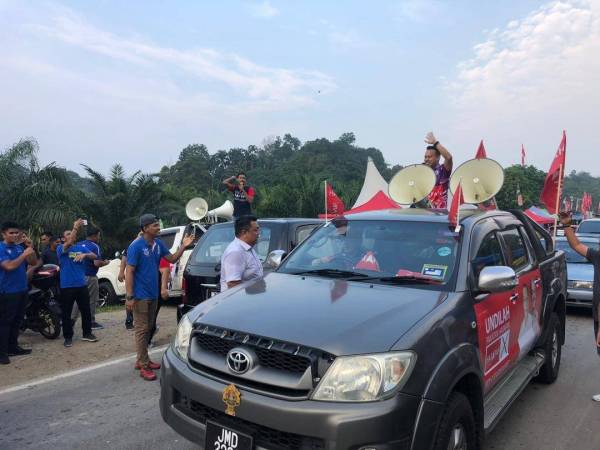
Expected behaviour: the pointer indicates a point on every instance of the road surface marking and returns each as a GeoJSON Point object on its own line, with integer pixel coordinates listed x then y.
{"type": "Point", "coordinates": [112, 362]}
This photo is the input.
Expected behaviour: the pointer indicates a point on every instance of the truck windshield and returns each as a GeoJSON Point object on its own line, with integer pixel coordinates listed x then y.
{"type": "Point", "coordinates": [378, 251]}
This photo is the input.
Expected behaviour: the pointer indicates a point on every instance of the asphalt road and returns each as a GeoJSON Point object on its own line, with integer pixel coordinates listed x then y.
{"type": "Point", "coordinates": [111, 407]}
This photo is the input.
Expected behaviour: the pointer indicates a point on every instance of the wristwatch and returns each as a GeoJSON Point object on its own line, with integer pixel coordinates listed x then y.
{"type": "Point", "coordinates": [129, 297]}
{"type": "Point", "coordinates": [436, 144]}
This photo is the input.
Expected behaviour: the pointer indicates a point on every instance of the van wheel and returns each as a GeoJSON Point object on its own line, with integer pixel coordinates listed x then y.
{"type": "Point", "coordinates": [552, 351]}
{"type": "Point", "coordinates": [456, 430]}
{"type": "Point", "coordinates": [106, 294]}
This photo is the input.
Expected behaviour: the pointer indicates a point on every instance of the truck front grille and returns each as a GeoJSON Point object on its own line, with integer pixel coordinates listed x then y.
{"type": "Point", "coordinates": [263, 436]}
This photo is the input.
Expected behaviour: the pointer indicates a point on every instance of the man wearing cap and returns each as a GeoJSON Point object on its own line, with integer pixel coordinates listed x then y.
{"type": "Point", "coordinates": [142, 286]}
{"type": "Point", "coordinates": [13, 289]}
{"type": "Point", "coordinates": [438, 198]}
{"type": "Point", "coordinates": [73, 285]}
{"type": "Point", "coordinates": [91, 274]}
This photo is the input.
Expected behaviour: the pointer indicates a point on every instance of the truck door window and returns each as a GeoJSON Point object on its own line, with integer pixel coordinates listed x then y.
{"type": "Point", "coordinates": [489, 254]}
{"type": "Point", "coordinates": [168, 239]}
{"type": "Point", "coordinates": [516, 252]}
{"type": "Point", "coordinates": [303, 232]}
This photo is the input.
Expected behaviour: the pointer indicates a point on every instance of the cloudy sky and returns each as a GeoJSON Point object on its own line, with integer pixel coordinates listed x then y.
{"type": "Point", "coordinates": [134, 82]}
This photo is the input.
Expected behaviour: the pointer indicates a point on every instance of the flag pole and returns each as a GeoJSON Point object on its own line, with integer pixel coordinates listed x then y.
{"type": "Point", "coordinates": [559, 194]}
{"type": "Point", "coordinates": [325, 201]}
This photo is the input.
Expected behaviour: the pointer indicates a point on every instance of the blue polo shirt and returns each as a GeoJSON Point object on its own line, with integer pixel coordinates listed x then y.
{"type": "Point", "coordinates": [146, 259]}
{"type": "Point", "coordinates": [72, 274]}
{"type": "Point", "coordinates": [12, 281]}
{"type": "Point", "coordinates": [91, 247]}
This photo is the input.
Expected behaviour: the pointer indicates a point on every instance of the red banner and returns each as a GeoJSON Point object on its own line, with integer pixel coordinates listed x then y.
{"type": "Point", "coordinates": [335, 205]}
{"type": "Point", "coordinates": [457, 200]}
{"type": "Point", "coordinates": [552, 185]}
{"type": "Point", "coordinates": [481, 154]}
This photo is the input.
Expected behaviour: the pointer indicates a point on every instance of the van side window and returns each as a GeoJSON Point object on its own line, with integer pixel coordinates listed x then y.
{"type": "Point", "coordinates": [516, 252]}
{"type": "Point", "coordinates": [303, 232]}
{"type": "Point", "coordinates": [489, 254]}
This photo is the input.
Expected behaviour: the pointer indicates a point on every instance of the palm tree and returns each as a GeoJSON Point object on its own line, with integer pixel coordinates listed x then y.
{"type": "Point", "coordinates": [36, 197]}
{"type": "Point", "coordinates": [117, 201]}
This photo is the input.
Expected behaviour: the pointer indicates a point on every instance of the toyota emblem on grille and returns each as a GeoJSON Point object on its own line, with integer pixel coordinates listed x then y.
{"type": "Point", "coordinates": [239, 361]}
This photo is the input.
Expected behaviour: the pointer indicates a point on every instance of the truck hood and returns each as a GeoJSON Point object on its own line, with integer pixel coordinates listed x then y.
{"type": "Point", "coordinates": [336, 316]}
{"type": "Point", "coordinates": [580, 271]}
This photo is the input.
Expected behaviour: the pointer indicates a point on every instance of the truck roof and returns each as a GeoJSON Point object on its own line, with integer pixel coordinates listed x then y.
{"type": "Point", "coordinates": [423, 215]}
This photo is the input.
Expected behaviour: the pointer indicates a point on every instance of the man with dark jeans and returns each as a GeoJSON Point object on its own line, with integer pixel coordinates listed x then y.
{"type": "Point", "coordinates": [593, 256]}
{"type": "Point", "coordinates": [142, 286]}
{"type": "Point", "coordinates": [73, 285]}
{"type": "Point", "coordinates": [13, 289]}
{"type": "Point", "coordinates": [91, 274]}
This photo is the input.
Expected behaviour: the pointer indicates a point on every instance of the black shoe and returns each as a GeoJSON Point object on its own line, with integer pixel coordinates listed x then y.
{"type": "Point", "coordinates": [89, 337]}
{"type": "Point", "coordinates": [18, 351]}
{"type": "Point", "coordinates": [68, 342]}
{"type": "Point", "coordinates": [97, 326]}
{"type": "Point", "coordinates": [4, 359]}
{"type": "Point", "coordinates": [129, 325]}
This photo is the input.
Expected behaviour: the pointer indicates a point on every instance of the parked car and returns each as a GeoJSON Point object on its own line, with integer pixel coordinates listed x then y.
{"type": "Point", "coordinates": [589, 227]}
{"type": "Point", "coordinates": [382, 330]}
{"type": "Point", "coordinates": [111, 289]}
{"type": "Point", "coordinates": [201, 277]}
{"type": "Point", "coordinates": [580, 272]}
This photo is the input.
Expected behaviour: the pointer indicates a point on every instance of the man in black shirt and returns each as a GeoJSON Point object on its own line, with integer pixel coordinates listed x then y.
{"type": "Point", "coordinates": [49, 255]}
{"type": "Point", "coordinates": [593, 256]}
{"type": "Point", "coordinates": [243, 194]}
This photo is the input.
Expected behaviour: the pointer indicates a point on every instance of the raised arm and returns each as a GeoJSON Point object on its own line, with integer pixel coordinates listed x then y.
{"type": "Point", "coordinates": [73, 236]}
{"type": "Point", "coordinates": [188, 239]}
{"type": "Point", "coordinates": [574, 242]}
{"type": "Point", "coordinates": [431, 140]}
{"type": "Point", "coordinates": [229, 182]}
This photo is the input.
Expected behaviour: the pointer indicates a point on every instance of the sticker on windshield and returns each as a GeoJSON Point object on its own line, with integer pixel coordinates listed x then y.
{"type": "Point", "coordinates": [434, 271]}
{"type": "Point", "coordinates": [444, 251]}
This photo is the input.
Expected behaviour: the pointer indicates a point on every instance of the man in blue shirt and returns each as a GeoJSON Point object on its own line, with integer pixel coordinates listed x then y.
{"type": "Point", "coordinates": [13, 289]}
{"type": "Point", "coordinates": [142, 285]}
{"type": "Point", "coordinates": [91, 274]}
{"type": "Point", "coordinates": [73, 285]}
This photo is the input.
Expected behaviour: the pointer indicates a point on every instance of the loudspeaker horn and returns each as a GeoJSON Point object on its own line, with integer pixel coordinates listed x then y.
{"type": "Point", "coordinates": [225, 211]}
{"type": "Point", "coordinates": [481, 179]}
{"type": "Point", "coordinates": [196, 208]}
{"type": "Point", "coordinates": [411, 184]}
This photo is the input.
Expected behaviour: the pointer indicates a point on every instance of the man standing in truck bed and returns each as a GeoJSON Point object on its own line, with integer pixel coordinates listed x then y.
{"type": "Point", "coordinates": [243, 194]}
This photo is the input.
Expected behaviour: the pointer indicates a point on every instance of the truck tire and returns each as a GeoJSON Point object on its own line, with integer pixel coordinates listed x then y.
{"type": "Point", "coordinates": [552, 351]}
{"type": "Point", "coordinates": [106, 294]}
{"type": "Point", "coordinates": [457, 429]}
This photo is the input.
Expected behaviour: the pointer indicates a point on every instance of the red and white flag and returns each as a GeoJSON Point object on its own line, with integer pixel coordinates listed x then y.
{"type": "Point", "coordinates": [454, 213]}
{"type": "Point", "coordinates": [334, 205]}
{"type": "Point", "coordinates": [550, 196]}
{"type": "Point", "coordinates": [481, 154]}
{"type": "Point", "coordinates": [522, 156]}
{"type": "Point", "coordinates": [519, 196]}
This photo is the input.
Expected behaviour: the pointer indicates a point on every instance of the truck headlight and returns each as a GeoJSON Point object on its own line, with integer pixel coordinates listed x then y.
{"type": "Point", "coordinates": [582, 285]}
{"type": "Point", "coordinates": [365, 378]}
{"type": "Point", "coordinates": [181, 343]}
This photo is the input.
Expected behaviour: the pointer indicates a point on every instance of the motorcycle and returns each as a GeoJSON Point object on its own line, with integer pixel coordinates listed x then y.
{"type": "Point", "coordinates": [43, 313]}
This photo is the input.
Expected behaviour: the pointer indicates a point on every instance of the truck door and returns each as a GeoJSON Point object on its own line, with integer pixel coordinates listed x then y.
{"type": "Point", "coordinates": [526, 301]}
{"type": "Point", "coordinates": [493, 315]}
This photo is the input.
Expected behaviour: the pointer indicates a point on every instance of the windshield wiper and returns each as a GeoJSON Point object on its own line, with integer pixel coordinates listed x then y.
{"type": "Point", "coordinates": [332, 272]}
{"type": "Point", "coordinates": [407, 279]}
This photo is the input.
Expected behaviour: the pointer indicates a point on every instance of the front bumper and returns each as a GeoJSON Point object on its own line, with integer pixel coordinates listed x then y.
{"type": "Point", "coordinates": [277, 423]}
{"type": "Point", "coordinates": [579, 297]}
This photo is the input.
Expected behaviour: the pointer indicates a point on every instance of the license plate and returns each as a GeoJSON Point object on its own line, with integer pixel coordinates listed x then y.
{"type": "Point", "coordinates": [219, 437]}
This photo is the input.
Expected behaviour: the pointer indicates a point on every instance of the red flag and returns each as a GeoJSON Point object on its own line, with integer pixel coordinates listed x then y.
{"type": "Point", "coordinates": [457, 200]}
{"type": "Point", "coordinates": [335, 205]}
{"type": "Point", "coordinates": [522, 156]}
{"type": "Point", "coordinates": [553, 184]}
{"type": "Point", "coordinates": [481, 151]}
{"type": "Point", "coordinates": [519, 196]}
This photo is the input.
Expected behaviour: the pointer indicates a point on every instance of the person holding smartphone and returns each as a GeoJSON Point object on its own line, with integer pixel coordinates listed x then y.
{"type": "Point", "coordinates": [243, 194]}
{"type": "Point", "coordinates": [593, 256]}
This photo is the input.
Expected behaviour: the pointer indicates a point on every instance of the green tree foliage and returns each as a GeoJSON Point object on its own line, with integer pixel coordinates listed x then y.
{"type": "Point", "coordinates": [528, 178]}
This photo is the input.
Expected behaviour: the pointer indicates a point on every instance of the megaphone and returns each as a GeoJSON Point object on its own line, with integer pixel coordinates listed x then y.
{"type": "Point", "coordinates": [225, 211]}
{"type": "Point", "coordinates": [411, 184]}
{"type": "Point", "coordinates": [196, 208]}
{"type": "Point", "coordinates": [481, 179]}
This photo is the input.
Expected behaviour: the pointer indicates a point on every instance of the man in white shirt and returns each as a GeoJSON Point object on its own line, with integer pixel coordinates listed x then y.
{"type": "Point", "coordinates": [240, 262]}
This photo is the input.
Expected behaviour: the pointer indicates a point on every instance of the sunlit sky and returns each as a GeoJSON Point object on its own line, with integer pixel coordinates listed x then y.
{"type": "Point", "coordinates": [134, 82]}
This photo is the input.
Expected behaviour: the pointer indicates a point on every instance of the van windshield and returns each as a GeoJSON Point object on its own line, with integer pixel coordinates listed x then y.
{"type": "Point", "coordinates": [378, 251]}
{"type": "Point", "coordinates": [211, 246]}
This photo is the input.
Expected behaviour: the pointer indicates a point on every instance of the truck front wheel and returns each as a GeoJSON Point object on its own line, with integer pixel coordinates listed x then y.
{"type": "Point", "coordinates": [552, 352]}
{"type": "Point", "coordinates": [456, 430]}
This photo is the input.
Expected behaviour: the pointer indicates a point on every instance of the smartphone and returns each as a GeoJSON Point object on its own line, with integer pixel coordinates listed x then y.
{"type": "Point", "coordinates": [84, 222]}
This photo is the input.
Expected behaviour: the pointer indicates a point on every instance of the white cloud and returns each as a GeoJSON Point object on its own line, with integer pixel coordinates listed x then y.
{"type": "Point", "coordinates": [348, 40]}
{"type": "Point", "coordinates": [420, 11]}
{"type": "Point", "coordinates": [533, 78]}
{"type": "Point", "coordinates": [264, 10]}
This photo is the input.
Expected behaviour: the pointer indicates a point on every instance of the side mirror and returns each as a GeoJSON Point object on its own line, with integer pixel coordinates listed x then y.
{"type": "Point", "coordinates": [275, 257]}
{"type": "Point", "coordinates": [497, 279]}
